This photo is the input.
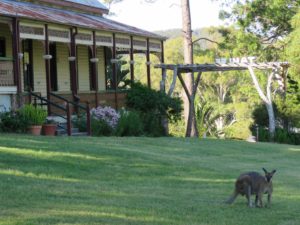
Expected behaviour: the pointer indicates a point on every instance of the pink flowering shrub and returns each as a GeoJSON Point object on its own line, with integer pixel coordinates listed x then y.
{"type": "Point", "coordinates": [106, 114]}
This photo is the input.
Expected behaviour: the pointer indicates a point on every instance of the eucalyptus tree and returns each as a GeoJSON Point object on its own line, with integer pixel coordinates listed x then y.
{"type": "Point", "coordinates": [264, 25]}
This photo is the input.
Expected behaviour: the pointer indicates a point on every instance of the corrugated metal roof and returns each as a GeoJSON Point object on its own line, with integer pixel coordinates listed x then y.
{"type": "Point", "coordinates": [13, 8]}
{"type": "Point", "coordinates": [91, 3]}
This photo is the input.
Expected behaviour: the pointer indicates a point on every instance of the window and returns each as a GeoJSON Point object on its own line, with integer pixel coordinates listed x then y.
{"type": "Point", "coordinates": [2, 47]}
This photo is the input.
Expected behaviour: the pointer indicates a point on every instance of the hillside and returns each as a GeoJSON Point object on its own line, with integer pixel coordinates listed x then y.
{"type": "Point", "coordinates": [209, 32]}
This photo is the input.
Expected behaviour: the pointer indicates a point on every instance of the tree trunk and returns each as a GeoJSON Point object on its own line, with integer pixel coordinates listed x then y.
{"type": "Point", "coordinates": [192, 130]}
{"type": "Point", "coordinates": [189, 110]}
{"type": "Point", "coordinates": [267, 99]}
{"type": "Point", "coordinates": [271, 115]}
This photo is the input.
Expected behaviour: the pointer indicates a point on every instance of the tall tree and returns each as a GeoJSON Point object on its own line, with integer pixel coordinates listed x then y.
{"type": "Point", "coordinates": [266, 23]}
{"type": "Point", "coordinates": [189, 104]}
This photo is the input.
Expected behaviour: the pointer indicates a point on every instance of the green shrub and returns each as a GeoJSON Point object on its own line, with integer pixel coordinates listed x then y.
{"type": "Point", "coordinates": [13, 122]}
{"type": "Point", "coordinates": [239, 130]}
{"type": "Point", "coordinates": [153, 106]}
{"type": "Point", "coordinates": [146, 100]}
{"type": "Point", "coordinates": [80, 122]}
{"type": "Point", "coordinates": [295, 138]}
{"type": "Point", "coordinates": [263, 134]}
{"type": "Point", "coordinates": [152, 124]}
{"type": "Point", "coordinates": [130, 124]}
{"type": "Point", "coordinates": [281, 136]}
{"type": "Point", "coordinates": [177, 128]}
{"type": "Point", "coordinates": [33, 115]}
{"type": "Point", "coordinates": [101, 128]}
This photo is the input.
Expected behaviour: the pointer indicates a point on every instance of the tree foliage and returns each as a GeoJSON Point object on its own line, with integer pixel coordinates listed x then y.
{"type": "Point", "coordinates": [267, 19]}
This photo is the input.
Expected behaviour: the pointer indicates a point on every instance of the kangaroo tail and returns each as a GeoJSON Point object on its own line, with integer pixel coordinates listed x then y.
{"type": "Point", "coordinates": [232, 198]}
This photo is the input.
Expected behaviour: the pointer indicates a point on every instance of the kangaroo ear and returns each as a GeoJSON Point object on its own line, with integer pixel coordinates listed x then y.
{"type": "Point", "coordinates": [264, 170]}
{"type": "Point", "coordinates": [274, 171]}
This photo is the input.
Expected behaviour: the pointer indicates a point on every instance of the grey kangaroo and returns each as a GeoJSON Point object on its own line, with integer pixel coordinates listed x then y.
{"type": "Point", "coordinates": [253, 183]}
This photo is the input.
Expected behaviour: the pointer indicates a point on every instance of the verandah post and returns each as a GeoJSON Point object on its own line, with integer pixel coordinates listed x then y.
{"type": "Point", "coordinates": [73, 60]}
{"type": "Point", "coordinates": [16, 62]}
{"type": "Point", "coordinates": [95, 71]}
{"type": "Point", "coordinates": [114, 70]}
{"type": "Point", "coordinates": [131, 60]}
{"type": "Point", "coordinates": [148, 63]}
{"type": "Point", "coordinates": [47, 65]}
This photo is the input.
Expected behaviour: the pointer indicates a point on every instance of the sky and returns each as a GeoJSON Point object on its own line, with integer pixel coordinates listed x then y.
{"type": "Point", "coordinates": [165, 14]}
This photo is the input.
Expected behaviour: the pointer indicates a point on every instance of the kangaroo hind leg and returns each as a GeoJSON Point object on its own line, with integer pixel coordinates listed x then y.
{"type": "Point", "coordinates": [248, 195]}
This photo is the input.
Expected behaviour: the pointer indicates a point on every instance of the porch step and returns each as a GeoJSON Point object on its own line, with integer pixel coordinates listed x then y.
{"type": "Point", "coordinates": [74, 132]}
{"type": "Point", "coordinates": [62, 127]}
{"type": "Point", "coordinates": [79, 134]}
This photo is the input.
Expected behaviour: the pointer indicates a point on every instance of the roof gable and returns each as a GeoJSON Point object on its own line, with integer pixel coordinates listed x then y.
{"type": "Point", "coordinates": [90, 3]}
{"type": "Point", "coordinates": [38, 12]}
{"type": "Point", "coordinates": [84, 6]}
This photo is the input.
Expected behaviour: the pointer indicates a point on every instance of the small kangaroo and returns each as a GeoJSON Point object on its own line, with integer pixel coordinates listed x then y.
{"type": "Point", "coordinates": [253, 183]}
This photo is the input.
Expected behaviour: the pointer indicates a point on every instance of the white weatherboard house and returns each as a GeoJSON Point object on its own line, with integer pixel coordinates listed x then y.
{"type": "Point", "coordinates": [65, 50]}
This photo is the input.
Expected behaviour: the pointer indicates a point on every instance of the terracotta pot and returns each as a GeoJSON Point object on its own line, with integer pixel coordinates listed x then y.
{"type": "Point", "coordinates": [49, 129]}
{"type": "Point", "coordinates": [35, 129]}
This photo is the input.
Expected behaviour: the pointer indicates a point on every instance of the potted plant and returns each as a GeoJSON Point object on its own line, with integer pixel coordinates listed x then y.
{"type": "Point", "coordinates": [35, 117]}
{"type": "Point", "coordinates": [49, 128]}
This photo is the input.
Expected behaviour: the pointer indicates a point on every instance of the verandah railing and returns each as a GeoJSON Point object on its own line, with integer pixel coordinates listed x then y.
{"type": "Point", "coordinates": [77, 107]}
{"type": "Point", "coordinates": [65, 108]}
{"type": "Point", "coordinates": [6, 72]}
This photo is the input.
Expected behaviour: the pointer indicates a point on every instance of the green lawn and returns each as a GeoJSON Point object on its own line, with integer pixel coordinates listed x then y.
{"type": "Point", "coordinates": [62, 180]}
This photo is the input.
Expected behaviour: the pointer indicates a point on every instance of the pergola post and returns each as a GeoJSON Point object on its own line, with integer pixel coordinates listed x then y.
{"type": "Point", "coordinates": [191, 130]}
{"type": "Point", "coordinates": [163, 71]}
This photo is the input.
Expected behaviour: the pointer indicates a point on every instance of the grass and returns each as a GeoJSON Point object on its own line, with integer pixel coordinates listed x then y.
{"type": "Point", "coordinates": [62, 180]}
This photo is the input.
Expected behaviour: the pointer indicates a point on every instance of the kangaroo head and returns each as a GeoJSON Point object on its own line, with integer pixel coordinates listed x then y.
{"type": "Point", "coordinates": [268, 175]}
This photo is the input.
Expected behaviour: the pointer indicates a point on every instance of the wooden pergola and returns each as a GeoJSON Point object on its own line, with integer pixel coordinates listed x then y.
{"type": "Point", "coordinates": [279, 70]}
